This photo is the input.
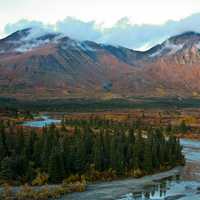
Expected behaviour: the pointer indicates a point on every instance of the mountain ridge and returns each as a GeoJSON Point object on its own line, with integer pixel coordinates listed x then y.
{"type": "Point", "coordinates": [37, 64]}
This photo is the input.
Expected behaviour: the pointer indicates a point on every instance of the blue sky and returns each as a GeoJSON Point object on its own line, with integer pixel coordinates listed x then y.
{"type": "Point", "coordinates": [133, 23]}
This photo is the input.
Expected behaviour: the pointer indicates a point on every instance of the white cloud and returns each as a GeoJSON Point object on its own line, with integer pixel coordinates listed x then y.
{"type": "Point", "coordinates": [22, 24]}
{"type": "Point", "coordinates": [78, 29]}
{"type": "Point", "coordinates": [123, 33]}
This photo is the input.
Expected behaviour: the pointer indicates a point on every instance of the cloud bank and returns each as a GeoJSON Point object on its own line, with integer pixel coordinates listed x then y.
{"type": "Point", "coordinates": [123, 33]}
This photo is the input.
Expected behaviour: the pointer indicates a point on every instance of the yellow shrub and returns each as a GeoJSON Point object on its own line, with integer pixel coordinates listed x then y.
{"type": "Point", "coordinates": [77, 187]}
{"type": "Point", "coordinates": [41, 179]}
{"type": "Point", "coordinates": [72, 179]}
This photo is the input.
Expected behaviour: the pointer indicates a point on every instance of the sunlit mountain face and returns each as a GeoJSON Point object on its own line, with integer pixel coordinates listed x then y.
{"type": "Point", "coordinates": [38, 63]}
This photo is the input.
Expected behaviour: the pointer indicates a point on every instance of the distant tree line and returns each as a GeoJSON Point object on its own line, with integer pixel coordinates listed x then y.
{"type": "Point", "coordinates": [77, 105]}
{"type": "Point", "coordinates": [82, 146]}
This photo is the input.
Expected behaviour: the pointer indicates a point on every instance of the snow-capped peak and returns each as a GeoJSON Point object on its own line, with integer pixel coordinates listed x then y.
{"type": "Point", "coordinates": [40, 34]}
{"type": "Point", "coordinates": [33, 38]}
{"type": "Point", "coordinates": [167, 48]}
{"type": "Point", "coordinates": [77, 45]}
{"type": "Point", "coordinates": [173, 48]}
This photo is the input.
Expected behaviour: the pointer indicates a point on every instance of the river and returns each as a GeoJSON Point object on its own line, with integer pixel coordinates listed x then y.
{"type": "Point", "coordinates": [182, 183]}
{"type": "Point", "coordinates": [42, 122]}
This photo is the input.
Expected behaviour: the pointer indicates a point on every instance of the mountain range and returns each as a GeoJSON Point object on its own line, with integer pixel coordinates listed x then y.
{"type": "Point", "coordinates": [40, 64]}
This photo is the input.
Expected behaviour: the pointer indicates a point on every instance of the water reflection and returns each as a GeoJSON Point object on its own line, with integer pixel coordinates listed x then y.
{"type": "Point", "coordinates": [158, 190]}
{"type": "Point", "coordinates": [167, 191]}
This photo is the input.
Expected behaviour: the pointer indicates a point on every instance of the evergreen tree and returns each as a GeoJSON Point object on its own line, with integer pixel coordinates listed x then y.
{"type": "Point", "coordinates": [183, 128]}
{"type": "Point", "coordinates": [148, 158]}
{"type": "Point", "coordinates": [98, 153]}
{"type": "Point", "coordinates": [106, 144]}
{"type": "Point", "coordinates": [7, 172]}
{"type": "Point", "coordinates": [56, 167]}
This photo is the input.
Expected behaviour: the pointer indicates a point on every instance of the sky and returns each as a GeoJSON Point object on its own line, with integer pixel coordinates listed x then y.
{"type": "Point", "coordinates": [135, 24]}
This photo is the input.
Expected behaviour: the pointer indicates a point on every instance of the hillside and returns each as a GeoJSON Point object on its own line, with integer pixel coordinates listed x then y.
{"type": "Point", "coordinates": [38, 64]}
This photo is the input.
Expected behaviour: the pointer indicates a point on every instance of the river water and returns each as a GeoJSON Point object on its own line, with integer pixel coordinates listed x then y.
{"type": "Point", "coordinates": [44, 121]}
{"type": "Point", "coordinates": [181, 183]}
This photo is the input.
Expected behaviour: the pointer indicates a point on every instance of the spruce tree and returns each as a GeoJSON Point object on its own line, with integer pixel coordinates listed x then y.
{"type": "Point", "coordinates": [56, 167]}
{"type": "Point", "coordinates": [147, 164]}
{"type": "Point", "coordinates": [98, 152]}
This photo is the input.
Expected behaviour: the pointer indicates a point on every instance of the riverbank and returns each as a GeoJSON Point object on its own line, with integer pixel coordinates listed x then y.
{"type": "Point", "coordinates": [114, 189]}
{"type": "Point", "coordinates": [97, 191]}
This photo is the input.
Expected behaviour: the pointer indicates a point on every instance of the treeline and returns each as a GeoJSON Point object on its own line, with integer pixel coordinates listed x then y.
{"type": "Point", "coordinates": [83, 104]}
{"type": "Point", "coordinates": [136, 124]}
{"type": "Point", "coordinates": [90, 148]}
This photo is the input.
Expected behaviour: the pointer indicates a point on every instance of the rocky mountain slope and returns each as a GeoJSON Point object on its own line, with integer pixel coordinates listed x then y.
{"type": "Point", "coordinates": [39, 64]}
